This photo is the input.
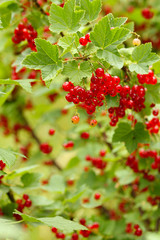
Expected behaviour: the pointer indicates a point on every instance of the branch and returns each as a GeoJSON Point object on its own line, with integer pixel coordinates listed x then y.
{"type": "Point", "coordinates": [38, 140]}
{"type": "Point", "coordinates": [39, 7]}
{"type": "Point", "coordinates": [11, 196]}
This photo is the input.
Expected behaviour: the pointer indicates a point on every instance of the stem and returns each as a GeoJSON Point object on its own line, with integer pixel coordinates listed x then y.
{"type": "Point", "coordinates": [38, 6]}
{"type": "Point", "coordinates": [38, 141]}
{"type": "Point", "coordinates": [11, 196]}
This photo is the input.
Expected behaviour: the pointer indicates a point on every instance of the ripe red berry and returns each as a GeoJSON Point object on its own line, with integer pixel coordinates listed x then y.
{"type": "Point", "coordinates": [74, 236]}
{"type": "Point", "coordinates": [102, 153]}
{"type": "Point", "coordinates": [93, 122]}
{"type": "Point", "coordinates": [85, 135]}
{"type": "Point", "coordinates": [46, 148]}
{"type": "Point", "coordinates": [54, 230]}
{"type": "Point", "coordinates": [82, 221]}
{"type": "Point", "coordinates": [51, 131]}
{"type": "Point", "coordinates": [87, 37]}
{"type": "Point", "coordinates": [83, 41]}
{"type": "Point", "coordinates": [99, 72]}
{"type": "Point", "coordinates": [60, 235]}
{"type": "Point", "coordinates": [75, 119]}
{"type": "Point", "coordinates": [28, 203]}
{"type": "Point", "coordinates": [25, 196]}
{"type": "Point", "coordinates": [146, 13]}
{"type": "Point", "coordinates": [97, 196]}
{"type": "Point", "coordinates": [155, 112]}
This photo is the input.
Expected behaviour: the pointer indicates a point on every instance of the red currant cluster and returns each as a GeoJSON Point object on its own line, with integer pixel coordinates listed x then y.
{"type": "Point", "coordinates": [22, 203]}
{"type": "Point", "coordinates": [136, 230]}
{"type": "Point", "coordinates": [46, 148]}
{"type": "Point", "coordinates": [97, 162]}
{"type": "Point", "coordinates": [147, 14]}
{"type": "Point", "coordinates": [153, 125]}
{"type": "Point", "coordinates": [84, 40]}
{"type": "Point", "coordinates": [147, 78]}
{"type": "Point", "coordinates": [130, 99]}
{"type": "Point", "coordinates": [69, 145]}
{"type": "Point", "coordinates": [151, 154]}
{"type": "Point", "coordinates": [25, 31]}
{"type": "Point", "coordinates": [58, 235]}
{"type": "Point", "coordinates": [101, 84]}
{"type": "Point", "coordinates": [2, 165]}
{"type": "Point", "coordinates": [153, 200]}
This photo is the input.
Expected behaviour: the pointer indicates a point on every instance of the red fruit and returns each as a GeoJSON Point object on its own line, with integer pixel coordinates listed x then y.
{"type": "Point", "coordinates": [51, 131]}
{"type": "Point", "coordinates": [67, 86]}
{"type": "Point", "coordinates": [2, 165]}
{"type": "Point", "coordinates": [46, 148]}
{"type": "Point", "coordinates": [99, 72]}
{"type": "Point", "coordinates": [155, 112]}
{"type": "Point", "coordinates": [97, 196]}
{"type": "Point", "coordinates": [28, 203]}
{"type": "Point", "coordinates": [102, 153]}
{"type": "Point", "coordinates": [75, 119]}
{"type": "Point", "coordinates": [93, 122]}
{"type": "Point", "coordinates": [82, 221]}
{"type": "Point", "coordinates": [25, 196]}
{"type": "Point", "coordinates": [60, 235]}
{"type": "Point", "coordinates": [85, 233]}
{"type": "Point", "coordinates": [54, 230]}
{"type": "Point", "coordinates": [146, 13]}
{"type": "Point", "coordinates": [74, 236]}
{"type": "Point", "coordinates": [68, 145]}
{"type": "Point", "coordinates": [85, 135]}
{"type": "Point", "coordinates": [94, 225]}
{"type": "Point", "coordinates": [70, 182]}
{"type": "Point", "coordinates": [87, 37]}
{"type": "Point", "coordinates": [138, 232]}
{"type": "Point", "coordinates": [83, 41]}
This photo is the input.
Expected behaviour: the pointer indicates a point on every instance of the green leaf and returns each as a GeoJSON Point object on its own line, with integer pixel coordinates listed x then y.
{"type": "Point", "coordinates": [45, 59]}
{"type": "Point", "coordinates": [112, 56]}
{"type": "Point", "coordinates": [20, 58]}
{"type": "Point", "coordinates": [25, 83]}
{"type": "Point", "coordinates": [31, 180]}
{"type": "Point", "coordinates": [92, 9]}
{"type": "Point", "coordinates": [152, 94]}
{"type": "Point", "coordinates": [112, 101]}
{"type": "Point", "coordinates": [8, 157]}
{"type": "Point", "coordinates": [5, 91]}
{"type": "Point", "coordinates": [143, 58]}
{"type": "Point", "coordinates": [103, 36]}
{"type": "Point", "coordinates": [66, 18]}
{"type": "Point", "coordinates": [108, 39]}
{"type": "Point", "coordinates": [130, 137]}
{"type": "Point", "coordinates": [116, 22]}
{"type": "Point", "coordinates": [76, 71]}
{"type": "Point", "coordinates": [58, 222]}
{"type": "Point", "coordinates": [69, 43]}
{"type": "Point", "coordinates": [56, 184]}
{"type": "Point", "coordinates": [125, 176]}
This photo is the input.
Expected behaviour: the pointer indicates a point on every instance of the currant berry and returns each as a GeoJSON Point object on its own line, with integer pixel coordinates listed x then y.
{"type": "Point", "coordinates": [99, 72]}
{"type": "Point", "coordinates": [87, 37]}
{"type": "Point", "coordinates": [75, 119]}
{"type": "Point", "coordinates": [51, 131]}
{"type": "Point", "coordinates": [54, 230]}
{"type": "Point", "coordinates": [93, 122]}
{"type": "Point", "coordinates": [136, 42]}
{"type": "Point", "coordinates": [46, 148]}
{"type": "Point", "coordinates": [83, 41]}
{"type": "Point", "coordinates": [97, 196]}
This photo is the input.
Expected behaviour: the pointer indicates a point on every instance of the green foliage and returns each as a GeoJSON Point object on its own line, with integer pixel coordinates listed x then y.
{"type": "Point", "coordinates": [46, 59]}
{"type": "Point", "coordinates": [130, 137]}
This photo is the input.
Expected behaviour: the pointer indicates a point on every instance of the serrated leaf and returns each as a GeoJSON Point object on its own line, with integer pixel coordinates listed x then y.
{"type": "Point", "coordinates": [92, 9]}
{"type": "Point", "coordinates": [76, 71]}
{"type": "Point", "coordinates": [58, 222]}
{"type": "Point", "coordinates": [152, 94]}
{"type": "Point", "coordinates": [116, 22]}
{"type": "Point", "coordinates": [25, 83]}
{"type": "Point", "coordinates": [66, 18]}
{"type": "Point", "coordinates": [130, 137]}
{"type": "Point", "coordinates": [112, 56]}
{"type": "Point", "coordinates": [112, 101]}
{"type": "Point", "coordinates": [68, 43]}
{"type": "Point", "coordinates": [5, 91]}
{"type": "Point", "coordinates": [125, 176]}
{"type": "Point", "coordinates": [143, 58]}
{"type": "Point", "coordinates": [45, 59]}
{"type": "Point", "coordinates": [103, 36]}
{"type": "Point", "coordinates": [20, 58]}
{"type": "Point", "coordinates": [8, 157]}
